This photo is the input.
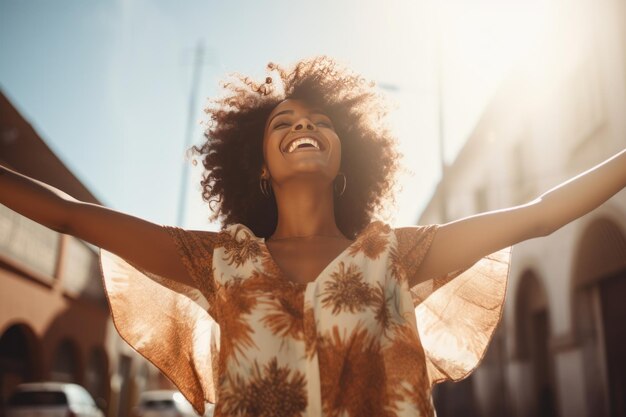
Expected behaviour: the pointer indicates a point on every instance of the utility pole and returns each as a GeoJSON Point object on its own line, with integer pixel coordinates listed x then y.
{"type": "Point", "coordinates": [443, 197]}
{"type": "Point", "coordinates": [191, 117]}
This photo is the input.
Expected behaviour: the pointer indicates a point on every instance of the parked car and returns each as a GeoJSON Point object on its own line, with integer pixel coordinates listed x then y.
{"type": "Point", "coordinates": [167, 403]}
{"type": "Point", "coordinates": [51, 399]}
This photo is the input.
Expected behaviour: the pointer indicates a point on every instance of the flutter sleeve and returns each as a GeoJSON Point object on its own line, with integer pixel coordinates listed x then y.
{"type": "Point", "coordinates": [166, 321]}
{"type": "Point", "coordinates": [456, 314]}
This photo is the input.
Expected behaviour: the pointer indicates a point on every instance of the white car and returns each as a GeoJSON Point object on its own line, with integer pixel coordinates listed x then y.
{"type": "Point", "coordinates": [167, 403]}
{"type": "Point", "coordinates": [51, 399]}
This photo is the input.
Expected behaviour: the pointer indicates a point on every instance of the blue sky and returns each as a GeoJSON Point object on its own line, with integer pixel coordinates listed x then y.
{"type": "Point", "coordinates": [107, 83]}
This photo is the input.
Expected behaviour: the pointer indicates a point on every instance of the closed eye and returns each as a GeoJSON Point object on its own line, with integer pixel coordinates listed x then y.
{"type": "Point", "coordinates": [324, 123]}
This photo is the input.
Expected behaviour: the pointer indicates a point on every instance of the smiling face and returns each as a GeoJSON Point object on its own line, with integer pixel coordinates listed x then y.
{"type": "Point", "coordinates": [300, 141]}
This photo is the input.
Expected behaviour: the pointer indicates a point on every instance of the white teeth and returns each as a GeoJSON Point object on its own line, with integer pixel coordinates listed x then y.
{"type": "Point", "coordinates": [294, 145]}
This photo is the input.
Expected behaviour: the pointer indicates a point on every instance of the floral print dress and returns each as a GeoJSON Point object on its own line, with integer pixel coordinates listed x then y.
{"type": "Point", "coordinates": [356, 341]}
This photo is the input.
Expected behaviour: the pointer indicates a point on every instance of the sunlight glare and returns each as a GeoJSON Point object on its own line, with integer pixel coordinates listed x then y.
{"type": "Point", "coordinates": [473, 47]}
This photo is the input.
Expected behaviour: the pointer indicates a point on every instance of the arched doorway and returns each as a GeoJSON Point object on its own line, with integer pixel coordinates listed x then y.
{"type": "Point", "coordinates": [19, 358]}
{"type": "Point", "coordinates": [532, 331]}
{"type": "Point", "coordinates": [66, 365]}
{"type": "Point", "coordinates": [599, 291]}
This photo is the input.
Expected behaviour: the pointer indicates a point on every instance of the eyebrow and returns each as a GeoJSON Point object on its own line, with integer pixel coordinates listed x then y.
{"type": "Point", "coordinates": [314, 111]}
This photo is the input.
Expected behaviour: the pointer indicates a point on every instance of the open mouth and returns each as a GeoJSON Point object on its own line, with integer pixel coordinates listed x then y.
{"type": "Point", "coordinates": [304, 143]}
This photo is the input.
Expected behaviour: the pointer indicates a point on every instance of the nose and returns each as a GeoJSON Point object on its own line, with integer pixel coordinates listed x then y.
{"type": "Point", "coordinates": [304, 124]}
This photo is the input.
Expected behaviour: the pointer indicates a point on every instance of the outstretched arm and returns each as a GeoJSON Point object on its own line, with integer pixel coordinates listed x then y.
{"type": "Point", "coordinates": [144, 244]}
{"type": "Point", "coordinates": [461, 243]}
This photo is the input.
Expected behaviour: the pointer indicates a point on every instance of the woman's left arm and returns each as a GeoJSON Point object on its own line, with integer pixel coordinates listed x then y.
{"type": "Point", "coordinates": [461, 243]}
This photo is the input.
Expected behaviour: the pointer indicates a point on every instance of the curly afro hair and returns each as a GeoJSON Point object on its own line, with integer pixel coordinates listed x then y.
{"type": "Point", "coordinates": [232, 153]}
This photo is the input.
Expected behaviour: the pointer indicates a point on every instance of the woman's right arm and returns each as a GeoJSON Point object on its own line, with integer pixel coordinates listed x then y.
{"type": "Point", "coordinates": [144, 244]}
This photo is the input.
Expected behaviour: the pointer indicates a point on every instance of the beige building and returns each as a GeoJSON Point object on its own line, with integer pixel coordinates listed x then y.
{"type": "Point", "coordinates": [54, 319]}
{"type": "Point", "coordinates": [559, 350]}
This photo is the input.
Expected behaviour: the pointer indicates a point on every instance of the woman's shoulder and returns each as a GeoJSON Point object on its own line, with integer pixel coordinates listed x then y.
{"type": "Point", "coordinates": [235, 231]}
{"type": "Point", "coordinates": [379, 226]}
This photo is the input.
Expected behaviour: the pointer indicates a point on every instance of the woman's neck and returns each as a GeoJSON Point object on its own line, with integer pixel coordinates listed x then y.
{"type": "Point", "coordinates": [305, 211]}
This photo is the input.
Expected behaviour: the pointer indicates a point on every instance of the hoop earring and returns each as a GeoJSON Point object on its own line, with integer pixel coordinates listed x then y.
{"type": "Point", "coordinates": [264, 184]}
{"type": "Point", "coordinates": [340, 188]}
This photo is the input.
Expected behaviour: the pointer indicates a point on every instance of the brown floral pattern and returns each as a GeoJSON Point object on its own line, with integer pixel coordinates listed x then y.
{"type": "Point", "coordinates": [352, 374]}
{"type": "Point", "coordinates": [404, 363]}
{"type": "Point", "coordinates": [345, 344]}
{"type": "Point", "coordinates": [382, 302]}
{"type": "Point", "coordinates": [346, 290]}
{"type": "Point", "coordinates": [310, 331]}
{"type": "Point", "coordinates": [268, 391]}
{"type": "Point", "coordinates": [411, 248]}
{"type": "Point", "coordinates": [285, 314]}
{"type": "Point", "coordinates": [236, 331]}
{"type": "Point", "coordinates": [372, 242]}
{"type": "Point", "coordinates": [241, 248]}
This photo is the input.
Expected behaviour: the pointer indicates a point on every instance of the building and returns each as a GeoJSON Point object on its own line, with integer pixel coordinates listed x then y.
{"type": "Point", "coordinates": [559, 350]}
{"type": "Point", "coordinates": [54, 319]}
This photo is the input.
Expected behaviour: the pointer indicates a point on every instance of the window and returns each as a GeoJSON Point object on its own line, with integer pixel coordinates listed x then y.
{"type": "Point", "coordinates": [28, 398]}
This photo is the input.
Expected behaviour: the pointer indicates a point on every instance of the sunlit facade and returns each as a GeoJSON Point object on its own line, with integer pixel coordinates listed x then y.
{"type": "Point", "coordinates": [54, 320]}
{"type": "Point", "coordinates": [559, 348]}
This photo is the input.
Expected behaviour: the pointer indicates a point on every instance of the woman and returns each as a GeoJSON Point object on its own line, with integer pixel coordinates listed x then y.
{"type": "Point", "coordinates": [302, 305]}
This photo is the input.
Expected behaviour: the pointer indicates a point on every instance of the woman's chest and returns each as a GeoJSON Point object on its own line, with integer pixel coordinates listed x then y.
{"type": "Point", "coordinates": [304, 262]}
{"type": "Point", "coordinates": [308, 288]}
